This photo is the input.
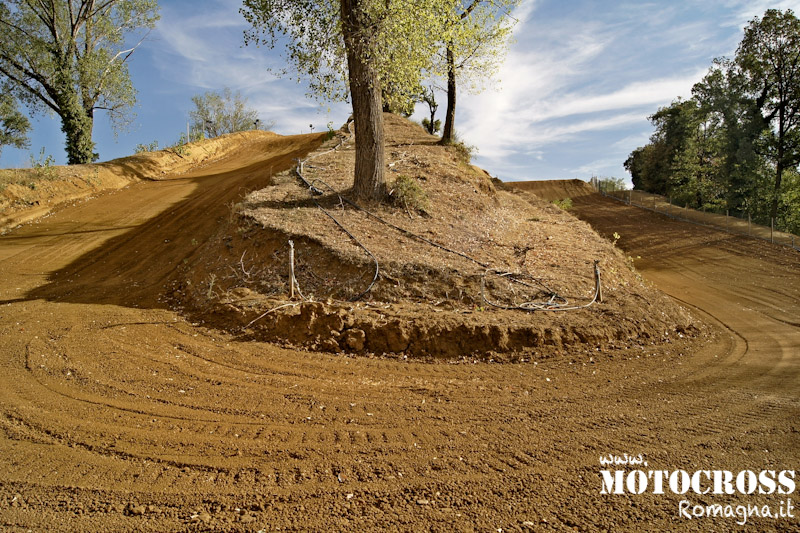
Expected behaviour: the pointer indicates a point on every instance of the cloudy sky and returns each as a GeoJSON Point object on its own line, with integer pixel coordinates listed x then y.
{"type": "Point", "coordinates": [571, 100]}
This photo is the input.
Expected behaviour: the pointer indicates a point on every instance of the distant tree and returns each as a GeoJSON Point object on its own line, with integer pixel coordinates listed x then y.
{"type": "Point", "coordinates": [70, 57]}
{"type": "Point", "coordinates": [610, 184]}
{"type": "Point", "coordinates": [13, 124]}
{"type": "Point", "coordinates": [360, 45]}
{"type": "Point", "coordinates": [474, 48]}
{"type": "Point", "coordinates": [768, 59]}
{"type": "Point", "coordinates": [219, 112]}
{"type": "Point", "coordinates": [432, 124]}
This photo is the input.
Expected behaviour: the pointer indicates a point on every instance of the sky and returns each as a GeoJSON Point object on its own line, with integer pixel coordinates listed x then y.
{"type": "Point", "coordinates": [570, 101]}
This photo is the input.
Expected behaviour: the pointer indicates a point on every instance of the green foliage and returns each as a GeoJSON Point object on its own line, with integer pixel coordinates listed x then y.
{"type": "Point", "coordinates": [735, 145]}
{"type": "Point", "coordinates": [610, 184]}
{"type": "Point", "coordinates": [218, 113]}
{"type": "Point", "coordinates": [14, 125]}
{"type": "Point", "coordinates": [331, 133]}
{"type": "Point", "coordinates": [398, 38]}
{"type": "Point", "coordinates": [565, 204]}
{"type": "Point", "coordinates": [70, 58]}
{"type": "Point", "coordinates": [181, 146]}
{"type": "Point", "coordinates": [43, 166]}
{"type": "Point", "coordinates": [432, 129]}
{"type": "Point", "coordinates": [152, 147]}
{"type": "Point", "coordinates": [463, 151]}
{"type": "Point", "coordinates": [407, 192]}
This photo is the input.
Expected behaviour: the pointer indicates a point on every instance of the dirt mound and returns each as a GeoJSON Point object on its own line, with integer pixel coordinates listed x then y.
{"type": "Point", "coordinates": [552, 190]}
{"type": "Point", "coordinates": [445, 276]}
{"type": "Point", "coordinates": [27, 194]}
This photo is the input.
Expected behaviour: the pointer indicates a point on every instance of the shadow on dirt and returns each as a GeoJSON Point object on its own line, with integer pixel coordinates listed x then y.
{"type": "Point", "coordinates": [132, 269]}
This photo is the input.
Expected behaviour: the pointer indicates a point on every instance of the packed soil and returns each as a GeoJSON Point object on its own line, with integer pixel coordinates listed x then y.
{"type": "Point", "coordinates": [451, 265]}
{"type": "Point", "coordinates": [119, 413]}
{"type": "Point", "coordinates": [27, 194]}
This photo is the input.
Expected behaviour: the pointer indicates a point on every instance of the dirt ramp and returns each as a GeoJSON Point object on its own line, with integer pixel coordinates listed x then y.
{"type": "Point", "coordinates": [551, 190]}
{"type": "Point", "coordinates": [27, 194]}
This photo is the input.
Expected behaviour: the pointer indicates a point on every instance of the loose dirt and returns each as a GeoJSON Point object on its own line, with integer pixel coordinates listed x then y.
{"type": "Point", "coordinates": [440, 278]}
{"type": "Point", "coordinates": [117, 413]}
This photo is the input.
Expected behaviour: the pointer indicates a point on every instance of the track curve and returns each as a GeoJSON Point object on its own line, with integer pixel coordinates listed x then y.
{"type": "Point", "coordinates": [118, 414]}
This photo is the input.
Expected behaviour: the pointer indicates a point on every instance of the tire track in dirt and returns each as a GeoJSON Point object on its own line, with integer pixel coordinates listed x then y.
{"type": "Point", "coordinates": [159, 412]}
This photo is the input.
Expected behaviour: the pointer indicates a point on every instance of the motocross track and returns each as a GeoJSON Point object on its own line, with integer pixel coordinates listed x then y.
{"type": "Point", "coordinates": [116, 414]}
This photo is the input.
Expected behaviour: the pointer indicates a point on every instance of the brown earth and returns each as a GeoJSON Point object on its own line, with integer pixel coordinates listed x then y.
{"type": "Point", "coordinates": [28, 194]}
{"type": "Point", "coordinates": [442, 287]}
{"type": "Point", "coordinates": [117, 413]}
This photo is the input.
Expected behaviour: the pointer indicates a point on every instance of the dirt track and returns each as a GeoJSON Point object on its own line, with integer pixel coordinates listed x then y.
{"type": "Point", "coordinates": [116, 414]}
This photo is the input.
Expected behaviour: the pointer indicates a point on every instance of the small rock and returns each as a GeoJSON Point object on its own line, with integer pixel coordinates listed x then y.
{"type": "Point", "coordinates": [201, 517]}
{"type": "Point", "coordinates": [423, 502]}
{"type": "Point", "coordinates": [355, 339]}
{"type": "Point", "coordinates": [135, 510]}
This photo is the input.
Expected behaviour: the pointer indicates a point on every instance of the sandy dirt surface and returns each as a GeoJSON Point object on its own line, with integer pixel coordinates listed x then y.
{"type": "Point", "coordinates": [116, 414]}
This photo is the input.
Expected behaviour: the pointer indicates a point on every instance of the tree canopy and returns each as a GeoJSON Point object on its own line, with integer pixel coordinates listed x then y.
{"type": "Point", "coordinates": [219, 112]}
{"type": "Point", "coordinates": [736, 143]}
{"type": "Point", "coordinates": [356, 48]}
{"type": "Point", "coordinates": [13, 124]}
{"type": "Point", "coordinates": [70, 57]}
{"type": "Point", "coordinates": [473, 49]}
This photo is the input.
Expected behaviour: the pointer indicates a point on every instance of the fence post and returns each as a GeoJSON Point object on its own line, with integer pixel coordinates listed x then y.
{"type": "Point", "coordinates": [727, 213]}
{"type": "Point", "coordinates": [748, 223]}
{"type": "Point", "coordinates": [772, 229]}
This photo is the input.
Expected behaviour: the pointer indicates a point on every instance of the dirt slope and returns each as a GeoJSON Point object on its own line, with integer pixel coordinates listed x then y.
{"type": "Point", "coordinates": [552, 190]}
{"type": "Point", "coordinates": [430, 279]}
{"type": "Point", "coordinates": [117, 414]}
{"type": "Point", "coordinates": [27, 194]}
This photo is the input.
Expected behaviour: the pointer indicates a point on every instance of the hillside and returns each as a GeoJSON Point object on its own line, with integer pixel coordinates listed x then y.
{"type": "Point", "coordinates": [29, 193]}
{"type": "Point", "coordinates": [470, 269]}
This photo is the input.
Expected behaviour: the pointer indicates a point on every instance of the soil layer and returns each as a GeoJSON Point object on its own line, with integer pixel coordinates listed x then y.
{"type": "Point", "coordinates": [117, 414]}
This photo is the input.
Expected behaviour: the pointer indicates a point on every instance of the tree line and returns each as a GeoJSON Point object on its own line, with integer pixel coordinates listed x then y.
{"type": "Point", "coordinates": [735, 144]}
{"type": "Point", "coordinates": [70, 57]}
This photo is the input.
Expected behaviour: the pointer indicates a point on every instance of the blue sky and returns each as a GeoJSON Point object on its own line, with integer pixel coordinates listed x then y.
{"type": "Point", "coordinates": [571, 100]}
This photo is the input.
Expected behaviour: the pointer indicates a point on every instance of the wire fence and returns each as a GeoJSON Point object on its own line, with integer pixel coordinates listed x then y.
{"type": "Point", "coordinates": [737, 222]}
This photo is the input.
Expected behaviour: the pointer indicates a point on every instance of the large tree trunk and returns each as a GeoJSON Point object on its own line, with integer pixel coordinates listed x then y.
{"type": "Point", "coordinates": [448, 134]}
{"type": "Point", "coordinates": [76, 123]}
{"type": "Point", "coordinates": [365, 91]}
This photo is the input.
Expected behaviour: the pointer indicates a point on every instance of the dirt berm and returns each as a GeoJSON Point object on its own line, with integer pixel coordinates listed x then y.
{"type": "Point", "coordinates": [27, 194]}
{"type": "Point", "coordinates": [461, 259]}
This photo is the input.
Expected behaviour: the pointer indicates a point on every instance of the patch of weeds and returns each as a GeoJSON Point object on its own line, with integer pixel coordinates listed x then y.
{"type": "Point", "coordinates": [463, 151]}
{"type": "Point", "coordinates": [407, 192]}
{"type": "Point", "coordinates": [616, 238]}
{"type": "Point", "coordinates": [211, 280]}
{"type": "Point", "coordinates": [152, 147]}
{"type": "Point", "coordinates": [181, 148]}
{"type": "Point", "coordinates": [43, 167]}
{"type": "Point", "coordinates": [331, 132]}
{"type": "Point", "coordinates": [565, 204]}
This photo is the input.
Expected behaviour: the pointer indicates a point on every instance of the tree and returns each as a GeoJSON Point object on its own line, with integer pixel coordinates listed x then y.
{"type": "Point", "coordinates": [13, 124]}
{"type": "Point", "coordinates": [70, 57]}
{"type": "Point", "coordinates": [360, 45]}
{"type": "Point", "coordinates": [474, 48]}
{"type": "Point", "coordinates": [219, 112]}
{"type": "Point", "coordinates": [769, 60]}
{"type": "Point", "coordinates": [432, 124]}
